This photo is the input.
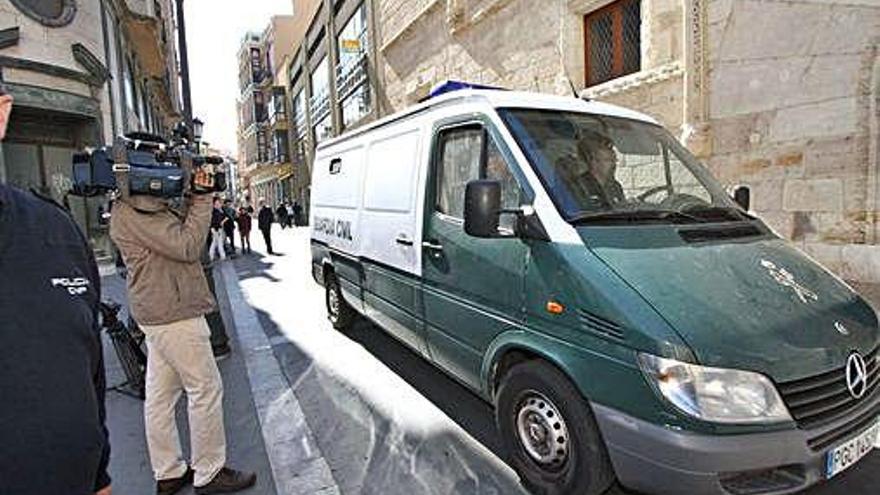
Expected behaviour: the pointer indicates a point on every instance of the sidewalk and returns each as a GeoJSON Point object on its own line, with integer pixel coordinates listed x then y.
{"type": "Point", "coordinates": [129, 460]}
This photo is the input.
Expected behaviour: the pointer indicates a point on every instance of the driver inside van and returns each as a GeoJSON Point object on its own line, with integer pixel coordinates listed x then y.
{"type": "Point", "coordinates": [590, 173]}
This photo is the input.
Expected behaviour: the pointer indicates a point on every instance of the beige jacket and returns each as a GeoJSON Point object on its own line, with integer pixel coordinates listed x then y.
{"type": "Point", "coordinates": [162, 251]}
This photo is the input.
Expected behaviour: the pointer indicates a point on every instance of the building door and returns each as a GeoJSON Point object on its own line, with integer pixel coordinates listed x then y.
{"type": "Point", "coordinates": [472, 287]}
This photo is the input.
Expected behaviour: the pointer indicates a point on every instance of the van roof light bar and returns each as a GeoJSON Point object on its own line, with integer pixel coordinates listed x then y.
{"type": "Point", "coordinates": [450, 86]}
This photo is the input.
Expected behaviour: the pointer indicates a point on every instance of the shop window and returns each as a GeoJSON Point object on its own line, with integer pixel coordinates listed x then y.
{"type": "Point", "coordinates": [612, 41]}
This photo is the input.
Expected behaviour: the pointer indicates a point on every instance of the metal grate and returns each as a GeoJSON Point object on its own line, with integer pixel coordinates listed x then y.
{"type": "Point", "coordinates": [632, 28]}
{"type": "Point", "coordinates": [822, 399]}
{"type": "Point", "coordinates": [612, 39]}
{"type": "Point", "coordinates": [601, 49]}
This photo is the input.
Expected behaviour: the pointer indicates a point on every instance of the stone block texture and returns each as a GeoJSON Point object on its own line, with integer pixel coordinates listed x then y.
{"type": "Point", "coordinates": [791, 94]}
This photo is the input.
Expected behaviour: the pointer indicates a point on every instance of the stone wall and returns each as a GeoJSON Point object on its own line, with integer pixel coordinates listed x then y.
{"type": "Point", "coordinates": [780, 95]}
{"type": "Point", "coordinates": [791, 91]}
{"type": "Point", "coordinates": [51, 45]}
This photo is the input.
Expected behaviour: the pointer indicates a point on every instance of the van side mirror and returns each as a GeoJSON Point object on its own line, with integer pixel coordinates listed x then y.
{"type": "Point", "coordinates": [743, 197]}
{"type": "Point", "coordinates": [482, 208]}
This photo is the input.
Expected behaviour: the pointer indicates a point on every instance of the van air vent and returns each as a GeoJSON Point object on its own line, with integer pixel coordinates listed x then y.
{"type": "Point", "coordinates": [724, 232]}
{"type": "Point", "coordinates": [598, 325]}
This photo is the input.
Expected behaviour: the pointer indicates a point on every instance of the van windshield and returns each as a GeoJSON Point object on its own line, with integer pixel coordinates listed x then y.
{"type": "Point", "coordinates": [608, 169]}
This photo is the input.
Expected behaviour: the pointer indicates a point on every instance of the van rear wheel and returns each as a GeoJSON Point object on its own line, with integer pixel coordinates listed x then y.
{"type": "Point", "coordinates": [549, 433]}
{"type": "Point", "coordinates": [340, 314]}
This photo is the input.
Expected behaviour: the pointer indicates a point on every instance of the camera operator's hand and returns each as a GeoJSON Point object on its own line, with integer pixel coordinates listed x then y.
{"type": "Point", "coordinates": [203, 181]}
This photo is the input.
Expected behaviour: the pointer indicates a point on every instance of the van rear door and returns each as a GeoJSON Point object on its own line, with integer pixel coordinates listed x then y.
{"type": "Point", "coordinates": [472, 287]}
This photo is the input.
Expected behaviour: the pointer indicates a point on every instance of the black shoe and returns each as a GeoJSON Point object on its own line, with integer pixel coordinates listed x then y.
{"type": "Point", "coordinates": [174, 485]}
{"type": "Point", "coordinates": [228, 481]}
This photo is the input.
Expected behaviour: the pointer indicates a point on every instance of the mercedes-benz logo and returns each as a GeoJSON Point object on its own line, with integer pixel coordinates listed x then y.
{"type": "Point", "coordinates": [856, 375]}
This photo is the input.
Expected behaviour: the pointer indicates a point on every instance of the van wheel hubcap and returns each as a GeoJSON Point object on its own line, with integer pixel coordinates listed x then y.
{"type": "Point", "coordinates": [542, 431]}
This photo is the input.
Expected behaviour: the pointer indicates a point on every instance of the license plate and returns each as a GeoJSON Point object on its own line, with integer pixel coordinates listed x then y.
{"type": "Point", "coordinates": [844, 456]}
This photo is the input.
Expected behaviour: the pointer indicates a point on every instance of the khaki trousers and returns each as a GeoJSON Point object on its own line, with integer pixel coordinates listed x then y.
{"type": "Point", "coordinates": [180, 360]}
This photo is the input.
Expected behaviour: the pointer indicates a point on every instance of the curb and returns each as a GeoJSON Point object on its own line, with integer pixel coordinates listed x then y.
{"type": "Point", "coordinates": [296, 460]}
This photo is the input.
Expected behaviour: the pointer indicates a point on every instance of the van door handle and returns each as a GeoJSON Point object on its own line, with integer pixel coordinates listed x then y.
{"type": "Point", "coordinates": [434, 246]}
{"type": "Point", "coordinates": [403, 240]}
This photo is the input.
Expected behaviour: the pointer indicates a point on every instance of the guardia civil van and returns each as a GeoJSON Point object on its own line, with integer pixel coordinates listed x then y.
{"type": "Point", "coordinates": [574, 265]}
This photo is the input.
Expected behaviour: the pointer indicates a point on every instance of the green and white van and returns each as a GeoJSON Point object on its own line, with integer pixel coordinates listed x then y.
{"type": "Point", "coordinates": [571, 263]}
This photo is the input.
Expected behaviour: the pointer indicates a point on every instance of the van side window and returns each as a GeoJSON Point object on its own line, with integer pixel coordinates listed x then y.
{"type": "Point", "coordinates": [460, 159]}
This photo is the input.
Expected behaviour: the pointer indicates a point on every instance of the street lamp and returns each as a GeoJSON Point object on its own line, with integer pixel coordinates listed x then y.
{"type": "Point", "coordinates": [198, 127]}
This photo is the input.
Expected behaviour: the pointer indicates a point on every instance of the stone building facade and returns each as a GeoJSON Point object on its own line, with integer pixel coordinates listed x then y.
{"type": "Point", "coordinates": [778, 95]}
{"type": "Point", "coordinates": [264, 149]}
{"type": "Point", "coordinates": [331, 79]}
{"type": "Point", "coordinates": [81, 72]}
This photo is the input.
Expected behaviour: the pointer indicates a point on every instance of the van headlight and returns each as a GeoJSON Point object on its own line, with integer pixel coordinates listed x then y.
{"type": "Point", "coordinates": [714, 394]}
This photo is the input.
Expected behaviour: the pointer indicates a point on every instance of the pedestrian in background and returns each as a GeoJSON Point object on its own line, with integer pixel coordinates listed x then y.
{"type": "Point", "coordinates": [244, 229]}
{"type": "Point", "coordinates": [169, 298]}
{"type": "Point", "coordinates": [297, 214]}
{"type": "Point", "coordinates": [217, 249]}
{"type": "Point", "coordinates": [281, 211]}
{"type": "Point", "coordinates": [52, 429]}
{"type": "Point", "coordinates": [229, 224]}
{"type": "Point", "coordinates": [264, 223]}
{"type": "Point", "coordinates": [290, 217]}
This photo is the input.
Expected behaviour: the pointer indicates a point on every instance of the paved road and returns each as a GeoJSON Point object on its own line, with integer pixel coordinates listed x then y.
{"type": "Point", "coordinates": [387, 421]}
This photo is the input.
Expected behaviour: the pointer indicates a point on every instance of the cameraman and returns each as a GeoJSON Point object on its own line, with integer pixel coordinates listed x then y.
{"type": "Point", "coordinates": [169, 298]}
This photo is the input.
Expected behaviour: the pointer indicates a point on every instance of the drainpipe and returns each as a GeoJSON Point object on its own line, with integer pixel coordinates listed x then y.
{"type": "Point", "coordinates": [184, 66]}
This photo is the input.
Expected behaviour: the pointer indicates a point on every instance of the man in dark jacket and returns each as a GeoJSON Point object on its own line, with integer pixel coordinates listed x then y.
{"type": "Point", "coordinates": [229, 225]}
{"type": "Point", "coordinates": [264, 223]}
{"type": "Point", "coordinates": [51, 369]}
{"type": "Point", "coordinates": [281, 215]}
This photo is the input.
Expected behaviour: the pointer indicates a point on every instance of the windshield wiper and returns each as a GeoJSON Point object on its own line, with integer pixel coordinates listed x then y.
{"type": "Point", "coordinates": [635, 216]}
{"type": "Point", "coordinates": [711, 213]}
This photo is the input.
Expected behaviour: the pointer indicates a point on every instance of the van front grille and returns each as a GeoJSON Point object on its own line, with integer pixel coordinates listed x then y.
{"type": "Point", "coordinates": [601, 326]}
{"type": "Point", "coordinates": [822, 399]}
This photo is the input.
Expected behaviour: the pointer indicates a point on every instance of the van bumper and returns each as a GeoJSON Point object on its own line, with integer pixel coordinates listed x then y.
{"type": "Point", "coordinates": [659, 460]}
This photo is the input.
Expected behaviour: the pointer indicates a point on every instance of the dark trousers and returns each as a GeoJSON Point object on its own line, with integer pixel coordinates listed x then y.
{"type": "Point", "coordinates": [230, 234]}
{"type": "Point", "coordinates": [219, 339]}
{"type": "Point", "coordinates": [267, 238]}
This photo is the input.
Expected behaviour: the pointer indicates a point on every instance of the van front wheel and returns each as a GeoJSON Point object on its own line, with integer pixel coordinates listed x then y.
{"type": "Point", "coordinates": [340, 314]}
{"type": "Point", "coordinates": [549, 433]}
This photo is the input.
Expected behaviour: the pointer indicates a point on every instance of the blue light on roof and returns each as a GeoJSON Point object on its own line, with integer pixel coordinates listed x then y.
{"type": "Point", "coordinates": [450, 86]}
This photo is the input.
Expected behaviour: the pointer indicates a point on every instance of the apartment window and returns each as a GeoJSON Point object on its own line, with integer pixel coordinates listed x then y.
{"type": "Point", "coordinates": [612, 41]}
{"type": "Point", "coordinates": [323, 129]}
{"type": "Point", "coordinates": [129, 86]}
{"type": "Point", "coordinates": [299, 113]}
{"type": "Point", "coordinates": [320, 87]}
{"type": "Point", "coordinates": [352, 42]}
{"type": "Point", "coordinates": [351, 74]}
{"type": "Point", "coordinates": [356, 106]}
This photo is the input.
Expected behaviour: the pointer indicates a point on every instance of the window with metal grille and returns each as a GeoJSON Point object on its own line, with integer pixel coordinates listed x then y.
{"type": "Point", "coordinates": [612, 41]}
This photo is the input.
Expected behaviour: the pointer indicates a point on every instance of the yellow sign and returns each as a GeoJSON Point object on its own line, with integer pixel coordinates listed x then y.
{"type": "Point", "coordinates": [351, 46]}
